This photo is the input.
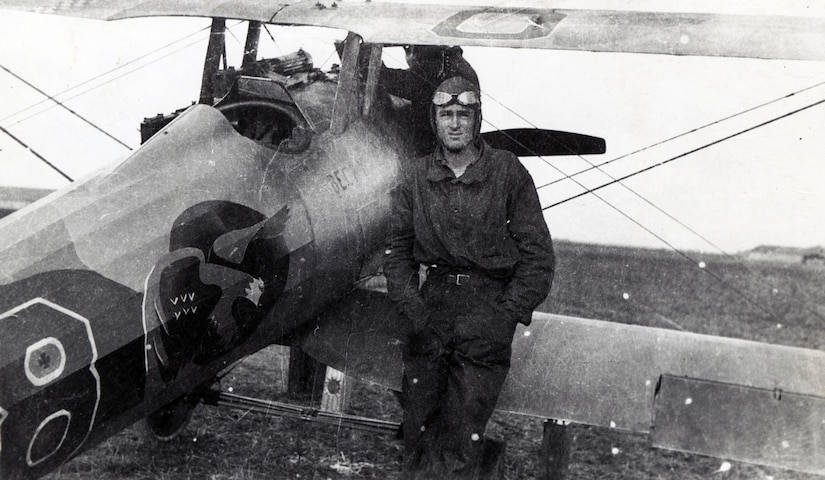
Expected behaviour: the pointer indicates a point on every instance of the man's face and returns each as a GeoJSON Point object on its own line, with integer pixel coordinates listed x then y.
{"type": "Point", "coordinates": [454, 125]}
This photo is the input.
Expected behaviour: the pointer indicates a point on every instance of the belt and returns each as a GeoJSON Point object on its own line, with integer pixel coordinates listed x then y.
{"type": "Point", "coordinates": [459, 277]}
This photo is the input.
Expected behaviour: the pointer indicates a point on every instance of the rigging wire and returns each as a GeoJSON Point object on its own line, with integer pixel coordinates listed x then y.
{"type": "Point", "coordinates": [684, 154]}
{"type": "Point", "coordinates": [65, 107]}
{"type": "Point", "coordinates": [103, 74]}
{"type": "Point", "coordinates": [43, 159]}
{"type": "Point", "coordinates": [140, 67]}
{"type": "Point", "coordinates": [33, 152]}
{"type": "Point", "coordinates": [272, 37]}
{"type": "Point", "coordinates": [110, 80]}
{"type": "Point", "coordinates": [92, 79]}
{"type": "Point", "coordinates": [277, 46]}
{"type": "Point", "coordinates": [674, 137]}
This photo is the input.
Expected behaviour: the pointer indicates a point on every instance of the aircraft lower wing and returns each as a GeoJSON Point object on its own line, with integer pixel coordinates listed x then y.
{"type": "Point", "coordinates": [715, 396]}
{"type": "Point", "coordinates": [15, 198]}
{"type": "Point", "coordinates": [528, 25]}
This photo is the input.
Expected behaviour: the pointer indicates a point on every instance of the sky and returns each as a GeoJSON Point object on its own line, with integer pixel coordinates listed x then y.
{"type": "Point", "coordinates": [763, 187]}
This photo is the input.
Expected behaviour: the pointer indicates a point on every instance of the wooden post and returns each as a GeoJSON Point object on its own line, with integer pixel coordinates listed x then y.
{"type": "Point", "coordinates": [336, 392]}
{"type": "Point", "coordinates": [250, 49]}
{"type": "Point", "coordinates": [306, 375]}
{"type": "Point", "coordinates": [555, 449]}
{"type": "Point", "coordinates": [345, 108]}
{"type": "Point", "coordinates": [373, 75]}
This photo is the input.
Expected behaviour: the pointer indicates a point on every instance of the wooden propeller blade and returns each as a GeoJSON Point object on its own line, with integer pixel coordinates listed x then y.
{"type": "Point", "coordinates": [535, 142]}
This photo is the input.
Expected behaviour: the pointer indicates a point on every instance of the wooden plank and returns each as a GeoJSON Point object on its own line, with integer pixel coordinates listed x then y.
{"type": "Point", "coordinates": [748, 424]}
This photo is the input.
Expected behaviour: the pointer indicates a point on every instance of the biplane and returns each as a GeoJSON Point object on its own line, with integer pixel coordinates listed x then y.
{"type": "Point", "coordinates": [252, 217]}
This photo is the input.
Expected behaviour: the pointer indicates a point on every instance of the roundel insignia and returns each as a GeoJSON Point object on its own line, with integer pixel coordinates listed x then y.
{"type": "Point", "coordinates": [45, 361]}
{"type": "Point", "coordinates": [51, 387]}
{"type": "Point", "coordinates": [500, 23]}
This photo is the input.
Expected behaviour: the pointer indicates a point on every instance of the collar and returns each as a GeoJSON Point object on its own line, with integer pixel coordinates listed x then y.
{"type": "Point", "coordinates": [437, 169]}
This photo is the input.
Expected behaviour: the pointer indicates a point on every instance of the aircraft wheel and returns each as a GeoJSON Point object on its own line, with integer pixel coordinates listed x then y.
{"type": "Point", "coordinates": [167, 422]}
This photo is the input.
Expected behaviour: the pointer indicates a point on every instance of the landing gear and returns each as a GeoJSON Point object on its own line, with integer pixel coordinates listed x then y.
{"type": "Point", "coordinates": [168, 421]}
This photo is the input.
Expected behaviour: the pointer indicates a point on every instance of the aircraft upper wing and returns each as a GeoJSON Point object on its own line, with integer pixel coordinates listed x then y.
{"type": "Point", "coordinates": [704, 34]}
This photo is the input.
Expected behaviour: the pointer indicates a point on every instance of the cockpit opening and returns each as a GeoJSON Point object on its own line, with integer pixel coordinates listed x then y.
{"type": "Point", "coordinates": [278, 101]}
{"type": "Point", "coordinates": [262, 110]}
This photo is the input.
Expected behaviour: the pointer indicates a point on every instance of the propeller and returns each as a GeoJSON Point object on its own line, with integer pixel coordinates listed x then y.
{"type": "Point", "coordinates": [533, 142]}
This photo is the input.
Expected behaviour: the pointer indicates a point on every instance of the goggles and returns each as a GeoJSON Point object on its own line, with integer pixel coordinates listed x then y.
{"type": "Point", "coordinates": [468, 99]}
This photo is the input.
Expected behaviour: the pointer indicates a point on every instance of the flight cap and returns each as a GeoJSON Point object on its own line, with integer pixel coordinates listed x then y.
{"type": "Point", "coordinates": [461, 91]}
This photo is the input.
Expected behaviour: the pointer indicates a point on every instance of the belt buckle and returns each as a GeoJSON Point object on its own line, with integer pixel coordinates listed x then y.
{"type": "Point", "coordinates": [459, 276]}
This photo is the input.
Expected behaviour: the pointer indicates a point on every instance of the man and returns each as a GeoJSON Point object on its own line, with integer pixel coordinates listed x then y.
{"type": "Point", "coordinates": [429, 65]}
{"type": "Point", "coordinates": [470, 214]}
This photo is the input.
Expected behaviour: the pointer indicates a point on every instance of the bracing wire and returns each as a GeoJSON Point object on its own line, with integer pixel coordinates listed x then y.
{"type": "Point", "coordinates": [103, 74]}
{"type": "Point", "coordinates": [36, 154]}
{"type": "Point", "coordinates": [65, 107]}
{"type": "Point", "coordinates": [674, 137]}
{"type": "Point", "coordinates": [684, 154]}
{"type": "Point", "coordinates": [110, 80]}
{"type": "Point", "coordinates": [90, 80]}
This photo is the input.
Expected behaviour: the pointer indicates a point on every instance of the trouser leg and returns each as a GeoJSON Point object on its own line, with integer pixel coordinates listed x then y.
{"type": "Point", "coordinates": [472, 391]}
{"type": "Point", "coordinates": [452, 394]}
{"type": "Point", "coordinates": [422, 391]}
{"type": "Point", "coordinates": [478, 364]}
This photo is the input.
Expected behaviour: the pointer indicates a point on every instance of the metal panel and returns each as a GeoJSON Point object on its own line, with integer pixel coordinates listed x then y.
{"type": "Point", "coordinates": [749, 424]}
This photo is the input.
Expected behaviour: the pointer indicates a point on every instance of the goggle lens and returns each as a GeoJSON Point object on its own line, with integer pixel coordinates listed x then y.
{"type": "Point", "coordinates": [467, 99]}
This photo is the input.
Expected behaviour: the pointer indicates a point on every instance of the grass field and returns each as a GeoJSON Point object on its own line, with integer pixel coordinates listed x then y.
{"type": "Point", "coordinates": [770, 302]}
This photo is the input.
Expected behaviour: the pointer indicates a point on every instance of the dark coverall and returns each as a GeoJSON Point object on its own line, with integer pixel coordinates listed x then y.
{"type": "Point", "coordinates": [490, 263]}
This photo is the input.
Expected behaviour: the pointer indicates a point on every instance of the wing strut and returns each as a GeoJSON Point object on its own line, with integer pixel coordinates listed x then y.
{"type": "Point", "coordinates": [214, 53]}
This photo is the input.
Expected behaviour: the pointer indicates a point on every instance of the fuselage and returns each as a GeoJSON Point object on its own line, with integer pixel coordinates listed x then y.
{"type": "Point", "coordinates": [131, 288]}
